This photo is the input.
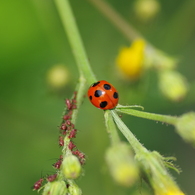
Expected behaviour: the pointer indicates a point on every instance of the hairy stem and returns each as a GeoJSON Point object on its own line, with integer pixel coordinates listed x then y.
{"type": "Point", "coordinates": [157, 117]}
{"type": "Point", "coordinates": [81, 90]}
{"type": "Point", "coordinates": [136, 145]}
{"type": "Point", "coordinates": [111, 127]}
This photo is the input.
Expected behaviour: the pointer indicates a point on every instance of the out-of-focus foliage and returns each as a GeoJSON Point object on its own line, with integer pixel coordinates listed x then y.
{"type": "Point", "coordinates": [32, 41]}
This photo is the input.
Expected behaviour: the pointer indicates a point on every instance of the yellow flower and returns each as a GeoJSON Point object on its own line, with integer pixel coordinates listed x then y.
{"type": "Point", "coordinates": [170, 192]}
{"type": "Point", "coordinates": [130, 59]}
{"type": "Point", "coordinates": [154, 169]}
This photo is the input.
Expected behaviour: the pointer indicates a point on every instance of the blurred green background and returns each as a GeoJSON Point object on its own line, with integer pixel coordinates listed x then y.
{"type": "Point", "coordinates": [32, 41]}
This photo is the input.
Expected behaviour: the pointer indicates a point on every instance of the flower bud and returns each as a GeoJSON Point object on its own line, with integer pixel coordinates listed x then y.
{"type": "Point", "coordinates": [55, 188]}
{"type": "Point", "coordinates": [146, 9]}
{"type": "Point", "coordinates": [71, 167]}
{"type": "Point", "coordinates": [185, 126]}
{"type": "Point", "coordinates": [173, 85]}
{"type": "Point", "coordinates": [156, 174]}
{"type": "Point", "coordinates": [120, 160]}
{"type": "Point", "coordinates": [58, 76]}
{"type": "Point", "coordinates": [74, 189]}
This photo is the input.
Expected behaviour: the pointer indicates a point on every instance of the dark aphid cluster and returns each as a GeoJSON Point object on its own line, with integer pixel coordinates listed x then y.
{"type": "Point", "coordinates": [80, 155]}
{"type": "Point", "coordinates": [66, 129]}
{"type": "Point", "coordinates": [71, 145]}
{"type": "Point", "coordinates": [67, 126]}
{"type": "Point", "coordinates": [48, 178]}
{"type": "Point", "coordinates": [57, 164]}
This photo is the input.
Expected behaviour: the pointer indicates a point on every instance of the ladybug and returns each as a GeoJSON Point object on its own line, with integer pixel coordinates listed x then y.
{"type": "Point", "coordinates": [103, 95]}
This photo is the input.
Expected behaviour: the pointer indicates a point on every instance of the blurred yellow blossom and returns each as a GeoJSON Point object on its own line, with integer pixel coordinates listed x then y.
{"type": "Point", "coordinates": [120, 160]}
{"type": "Point", "coordinates": [58, 76]}
{"type": "Point", "coordinates": [146, 9]}
{"type": "Point", "coordinates": [154, 168]}
{"type": "Point", "coordinates": [170, 192]}
{"type": "Point", "coordinates": [130, 60]}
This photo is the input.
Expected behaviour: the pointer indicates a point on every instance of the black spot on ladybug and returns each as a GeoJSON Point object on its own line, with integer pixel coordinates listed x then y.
{"type": "Point", "coordinates": [90, 97]}
{"type": "Point", "coordinates": [93, 85]}
{"type": "Point", "coordinates": [107, 86]}
{"type": "Point", "coordinates": [115, 95]}
{"type": "Point", "coordinates": [103, 104]}
{"type": "Point", "coordinates": [98, 93]}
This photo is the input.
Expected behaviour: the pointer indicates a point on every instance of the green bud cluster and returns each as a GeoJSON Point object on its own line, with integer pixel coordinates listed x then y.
{"type": "Point", "coordinates": [120, 160]}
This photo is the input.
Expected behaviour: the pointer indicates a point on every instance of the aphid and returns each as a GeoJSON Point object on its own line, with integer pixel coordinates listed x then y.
{"type": "Point", "coordinates": [71, 145]}
{"type": "Point", "coordinates": [72, 133]}
{"type": "Point", "coordinates": [63, 127]}
{"type": "Point", "coordinates": [57, 164]}
{"type": "Point", "coordinates": [51, 178]}
{"type": "Point", "coordinates": [68, 104]}
{"type": "Point", "coordinates": [38, 184]}
{"type": "Point", "coordinates": [61, 141]}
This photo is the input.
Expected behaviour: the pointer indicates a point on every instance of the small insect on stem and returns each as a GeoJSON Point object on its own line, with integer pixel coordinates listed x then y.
{"type": "Point", "coordinates": [51, 178]}
{"type": "Point", "coordinates": [38, 184]}
{"type": "Point", "coordinates": [61, 141]}
{"type": "Point", "coordinates": [103, 95]}
{"type": "Point", "coordinates": [58, 163]}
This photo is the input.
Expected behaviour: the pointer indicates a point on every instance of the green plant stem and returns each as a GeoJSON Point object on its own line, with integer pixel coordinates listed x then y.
{"type": "Point", "coordinates": [157, 117]}
{"type": "Point", "coordinates": [122, 25]}
{"type": "Point", "coordinates": [136, 145]}
{"type": "Point", "coordinates": [111, 128]}
{"type": "Point", "coordinates": [118, 21]}
{"type": "Point", "coordinates": [74, 38]}
{"type": "Point", "coordinates": [81, 90]}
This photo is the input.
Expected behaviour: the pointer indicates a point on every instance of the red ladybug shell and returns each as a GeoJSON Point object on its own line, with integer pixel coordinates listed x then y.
{"type": "Point", "coordinates": [103, 95]}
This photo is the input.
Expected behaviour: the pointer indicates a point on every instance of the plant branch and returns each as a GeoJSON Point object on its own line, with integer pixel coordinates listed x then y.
{"type": "Point", "coordinates": [121, 24]}
{"type": "Point", "coordinates": [129, 31]}
{"type": "Point", "coordinates": [136, 145]}
{"type": "Point", "coordinates": [157, 117]}
{"type": "Point", "coordinates": [75, 40]}
{"type": "Point", "coordinates": [111, 128]}
{"type": "Point", "coordinates": [79, 97]}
